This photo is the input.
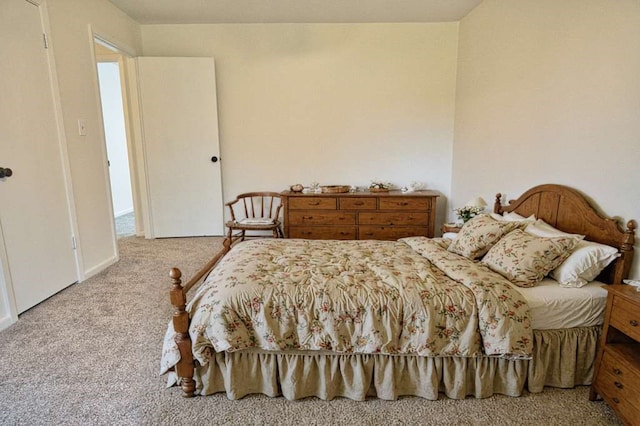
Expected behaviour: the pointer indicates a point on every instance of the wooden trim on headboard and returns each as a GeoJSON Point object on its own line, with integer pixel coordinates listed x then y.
{"type": "Point", "coordinates": [568, 210]}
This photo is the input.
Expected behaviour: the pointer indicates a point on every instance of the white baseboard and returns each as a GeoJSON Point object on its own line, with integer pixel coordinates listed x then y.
{"type": "Point", "coordinates": [100, 267]}
{"type": "Point", "coordinates": [5, 322]}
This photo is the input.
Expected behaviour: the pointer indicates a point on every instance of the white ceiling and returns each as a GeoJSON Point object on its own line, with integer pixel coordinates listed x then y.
{"type": "Point", "coordinates": [293, 11]}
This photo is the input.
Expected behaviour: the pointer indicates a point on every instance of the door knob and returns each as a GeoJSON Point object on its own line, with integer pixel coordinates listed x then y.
{"type": "Point", "coordinates": [5, 172]}
{"type": "Point", "coordinates": [214, 159]}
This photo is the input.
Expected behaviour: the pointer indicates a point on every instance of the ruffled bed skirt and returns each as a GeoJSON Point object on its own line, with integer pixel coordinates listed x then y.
{"type": "Point", "coordinates": [561, 358]}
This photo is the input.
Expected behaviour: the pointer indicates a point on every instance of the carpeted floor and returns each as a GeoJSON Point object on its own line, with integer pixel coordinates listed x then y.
{"type": "Point", "coordinates": [90, 355]}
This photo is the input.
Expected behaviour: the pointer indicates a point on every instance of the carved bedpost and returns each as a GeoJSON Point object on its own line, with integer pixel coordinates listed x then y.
{"type": "Point", "coordinates": [626, 251]}
{"type": "Point", "coordinates": [497, 205]}
{"type": "Point", "coordinates": [184, 367]}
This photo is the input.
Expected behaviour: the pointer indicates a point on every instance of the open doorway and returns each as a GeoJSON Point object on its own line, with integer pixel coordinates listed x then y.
{"type": "Point", "coordinates": [110, 70]}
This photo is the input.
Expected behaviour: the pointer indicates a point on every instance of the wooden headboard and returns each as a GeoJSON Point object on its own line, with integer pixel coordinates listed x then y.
{"type": "Point", "coordinates": [568, 210]}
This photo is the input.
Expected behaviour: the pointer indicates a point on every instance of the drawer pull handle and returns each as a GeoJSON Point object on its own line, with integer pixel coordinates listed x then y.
{"type": "Point", "coordinates": [344, 233]}
{"type": "Point", "coordinates": [314, 203]}
{"type": "Point", "coordinates": [368, 233]}
{"type": "Point", "coordinates": [633, 323]}
{"type": "Point", "coordinates": [359, 203]}
{"type": "Point", "coordinates": [618, 385]}
{"type": "Point", "coordinates": [616, 400]}
{"type": "Point", "coordinates": [617, 371]}
{"type": "Point", "coordinates": [404, 203]}
{"type": "Point", "coordinates": [308, 217]}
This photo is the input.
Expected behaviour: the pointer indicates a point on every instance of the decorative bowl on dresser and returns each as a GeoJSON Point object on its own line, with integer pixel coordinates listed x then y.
{"type": "Point", "coordinates": [617, 370]}
{"type": "Point", "coordinates": [359, 216]}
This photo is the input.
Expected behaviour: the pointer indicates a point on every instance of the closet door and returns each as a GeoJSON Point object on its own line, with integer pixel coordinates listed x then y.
{"type": "Point", "coordinates": [34, 209]}
{"type": "Point", "coordinates": [180, 133]}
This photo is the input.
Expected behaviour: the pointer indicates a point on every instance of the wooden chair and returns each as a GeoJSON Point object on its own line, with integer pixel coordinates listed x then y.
{"type": "Point", "coordinates": [254, 211]}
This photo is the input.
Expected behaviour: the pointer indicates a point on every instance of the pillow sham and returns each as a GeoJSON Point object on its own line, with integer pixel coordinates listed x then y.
{"type": "Point", "coordinates": [540, 228]}
{"type": "Point", "coordinates": [584, 264]}
{"type": "Point", "coordinates": [525, 259]}
{"type": "Point", "coordinates": [479, 234]}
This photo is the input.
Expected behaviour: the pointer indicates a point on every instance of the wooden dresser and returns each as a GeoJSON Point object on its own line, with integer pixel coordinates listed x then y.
{"type": "Point", "coordinates": [617, 371]}
{"type": "Point", "coordinates": [359, 216]}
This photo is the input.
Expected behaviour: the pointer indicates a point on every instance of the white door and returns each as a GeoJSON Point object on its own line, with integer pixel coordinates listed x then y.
{"type": "Point", "coordinates": [34, 210]}
{"type": "Point", "coordinates": [180, 128]}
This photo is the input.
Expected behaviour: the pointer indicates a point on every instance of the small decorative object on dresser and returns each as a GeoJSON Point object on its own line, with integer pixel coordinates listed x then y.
{"type": "Point", "coordinates": [315, 187]}
{"type": "Point", "coordinates": [379, 186]}
{"type": "Point", "coordinates": [297, 187]}
{"type": "Point", "coordinates": [617, 370]}
{"type": "Point", "coordinates": [334, 189]}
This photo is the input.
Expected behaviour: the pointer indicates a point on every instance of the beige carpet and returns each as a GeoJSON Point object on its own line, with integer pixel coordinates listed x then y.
{"type": "Point", "coordinates": [90, 355]}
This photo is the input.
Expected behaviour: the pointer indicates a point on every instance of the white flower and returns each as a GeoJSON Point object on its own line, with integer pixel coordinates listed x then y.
{"type": "Point", "coordinates": [467, 212]}
{"type": "Point", "coordinates": [377, 184]}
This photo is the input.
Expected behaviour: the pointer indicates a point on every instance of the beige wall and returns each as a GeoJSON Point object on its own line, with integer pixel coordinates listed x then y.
{"type": "Point", "coordinates": [75, 67]}
{"type": "Point", "coordinates": [549, 92]}
{"type": "Point", "coordinates": [337, 104]}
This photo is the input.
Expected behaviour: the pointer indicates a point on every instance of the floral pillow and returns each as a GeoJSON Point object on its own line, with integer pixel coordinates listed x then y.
{"type": "Point", "coordinates": [479, 234]}
{"type": "Point", "coordinates": [525, 259]}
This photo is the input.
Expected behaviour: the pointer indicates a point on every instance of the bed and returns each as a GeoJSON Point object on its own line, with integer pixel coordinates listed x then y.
{"type": "Point", "coordinates": [388, 319]}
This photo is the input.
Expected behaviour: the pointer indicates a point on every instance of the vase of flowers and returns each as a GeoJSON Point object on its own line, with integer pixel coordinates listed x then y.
{"type": "Point", "coordinates": [468, 212]}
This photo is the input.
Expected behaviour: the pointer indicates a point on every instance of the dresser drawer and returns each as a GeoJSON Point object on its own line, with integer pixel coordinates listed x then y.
{"type": "Point", "coordinates": [396, 218]}
{"type": "Point", "coordinates": [404, 203]}
{"type": "Point", "coordinates": [306, 203]}
{"type": "Point", "coordinates": [323, 233]}
{"type": "Point", "coordinates": [357, 203]}
{"type": "Point", "coordinates": [390, 233]}
{"type": "Point", "coordinates": [618, 386]}
{"type": "Point", "coordinates": [298, 218]}
{"type": "Point", "coordinates": [625, 316]}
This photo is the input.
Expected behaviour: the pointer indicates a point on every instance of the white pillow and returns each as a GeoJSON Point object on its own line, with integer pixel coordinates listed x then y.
{"type": "Point", "coordinates": [513, 217]}
{"type": "Point", "coordinates": [584, 264]}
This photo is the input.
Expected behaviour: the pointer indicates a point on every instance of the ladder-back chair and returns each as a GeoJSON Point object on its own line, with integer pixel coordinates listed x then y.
{"type": "Point", "coordinates": [254, 211]}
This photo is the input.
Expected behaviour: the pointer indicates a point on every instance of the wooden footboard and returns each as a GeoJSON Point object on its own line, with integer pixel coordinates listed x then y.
{"type": "Point", "coordinates": [178, 294]}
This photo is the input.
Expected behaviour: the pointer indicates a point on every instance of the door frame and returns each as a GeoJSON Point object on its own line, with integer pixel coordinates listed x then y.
{"type": "Point", "coordinates": [135, 153]}
{"type": "Point", "coordinates": [6, 283]}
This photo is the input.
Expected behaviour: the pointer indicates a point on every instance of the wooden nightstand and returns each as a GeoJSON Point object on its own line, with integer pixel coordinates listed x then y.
{"type": "Point", "coordinates": [451, 227]}
{"type": "Point", "coordinates": [617, 371]}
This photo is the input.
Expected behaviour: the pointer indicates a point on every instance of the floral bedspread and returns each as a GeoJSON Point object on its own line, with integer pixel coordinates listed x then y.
{"type": "Point", "coordinates": [380, 297]}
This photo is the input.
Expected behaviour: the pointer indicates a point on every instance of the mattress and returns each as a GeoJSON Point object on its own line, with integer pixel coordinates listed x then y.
{"type": "Point", "coordinates": [554, 307]}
